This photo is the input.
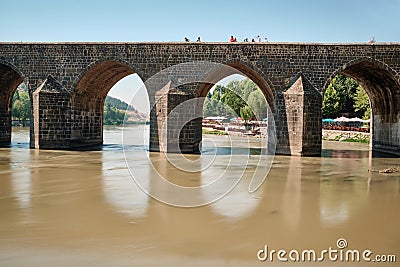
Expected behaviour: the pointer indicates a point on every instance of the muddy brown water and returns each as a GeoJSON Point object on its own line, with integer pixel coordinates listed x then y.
{"type": "Point", "coordinates": [82, 208]}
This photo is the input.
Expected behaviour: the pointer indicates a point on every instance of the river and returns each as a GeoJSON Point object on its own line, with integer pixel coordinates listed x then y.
{"type": "Point", "coordinates": [82, 208]}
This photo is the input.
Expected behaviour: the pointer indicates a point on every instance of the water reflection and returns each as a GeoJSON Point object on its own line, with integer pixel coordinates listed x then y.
{"type": "Point", "coordinates": [120, 190]}
{"type": "Point", "coordinates": [57, 201]}
{"type": "Point", "coordinates": [291, 201]}
{"type": "Point", "coordinates": [240, 203]}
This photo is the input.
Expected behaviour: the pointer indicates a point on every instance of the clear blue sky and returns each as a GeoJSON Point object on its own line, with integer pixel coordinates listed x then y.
{"type": "Point", "coordinates": [152, 20]}
{"type": "Point", "coordinates": [212, 20]}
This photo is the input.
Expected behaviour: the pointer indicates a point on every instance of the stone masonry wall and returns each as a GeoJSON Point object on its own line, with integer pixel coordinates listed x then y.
{"type": "Point", "coordinates": [271, 65]}
{"type": "Point", "coordinates": [51, 107]}
{"type": "Point", "coordinates": [175, 123]}
{"type": "Point", "coordinates": [5, 126]}
{"type": "Point", "coordinates": [55, 129]}
{"type": "Point", "coordinates": [87, 122]}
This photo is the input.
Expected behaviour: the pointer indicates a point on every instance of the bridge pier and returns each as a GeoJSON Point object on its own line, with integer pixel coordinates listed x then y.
{"type": "Point", "coordinates": [386, 134]}
{"type": "Point", "coordinates": [176, 121]}
{"type": "Point", "coordinates": [298, 119]}
{"type": "Point", "coordinates": [87, 121]}
{"type": "Point", "coordinates": [176, 125]}
{"type": "Point", "coordinates": [5, 126]}
{"type": "Point", "coordinates": [51, 109]}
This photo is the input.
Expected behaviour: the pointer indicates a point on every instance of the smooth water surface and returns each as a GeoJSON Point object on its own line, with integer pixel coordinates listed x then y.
{"type": "Point", "coordinates": [82, 208]}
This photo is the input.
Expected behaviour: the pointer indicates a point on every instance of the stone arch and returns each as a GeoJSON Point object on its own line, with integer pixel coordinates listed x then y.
{"type": "Point", "coordinates": [252, 72]}
{"type": "Point", "coordinates": [111, 70]}
{"type": "Point", "coordinates": [382, 85]}
{"type": "Point", "coordinates": [10, 78]}
{"type": "Point", "coordinates": [89, 92]}
{"type": "Point", "coordinates": [184, 134]}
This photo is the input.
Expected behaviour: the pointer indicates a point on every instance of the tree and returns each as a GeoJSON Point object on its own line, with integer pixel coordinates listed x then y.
{"type": "Point", "coordinates": [331, 104]}
{"type": "Point", "coordinates": [21, 106]}
{"type": "Point", "coordinates": [361, 103]}
{"type": "Point", "coordinates": [245, 88]}
{"type": "Point", "coordinates": [112, 115]}
{"type": "Point", "coordinates": [258, 104]}
{"type": "Point", "coordinates": [347, 88]}
{"type": "Point", "coordinates": [246, 113]}
{"type": "Point", "coordinates": [234, 99]}
{"type": "Point", "coordinates": [207, 107]}
{"type": "Point", "coordinates": [119, 104]}
{"type": "Point", "coordinates": [218, 92]}
{"type": "Point", "coordinates": [339, 97]}
{"type": "Point", "coordinates": [213, 104]}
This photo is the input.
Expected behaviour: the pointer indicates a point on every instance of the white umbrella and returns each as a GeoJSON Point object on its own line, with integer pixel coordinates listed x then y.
{"type": "Point", "coordinates": [356, 119]}
{"type": "Point", "coordinates": [342, 119]}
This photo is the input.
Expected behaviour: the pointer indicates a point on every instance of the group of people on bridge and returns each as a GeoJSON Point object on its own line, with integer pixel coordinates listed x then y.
{"type": "Point", "coordinates": [246, 40]}
{"type": "Point", "coordinates": [233, 39]}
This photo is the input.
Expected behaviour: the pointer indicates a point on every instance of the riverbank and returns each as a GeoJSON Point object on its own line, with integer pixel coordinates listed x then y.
{"type": "Point", "coordinates": [329, 135]}
{"type": "Point", "coordinates": [345, 136]}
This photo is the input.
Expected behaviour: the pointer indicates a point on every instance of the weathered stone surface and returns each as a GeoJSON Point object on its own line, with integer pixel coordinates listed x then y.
{"type": "Point", "coordinates": [176, 122]}
{"type": "Point", "coordinates": [10, 78]}
{"type": "Point", "coordinates": [300, 113]}
{"type": "Point", "coordinates": [51, 111]}
{"type": "Point", "coordinates": [88, 70]}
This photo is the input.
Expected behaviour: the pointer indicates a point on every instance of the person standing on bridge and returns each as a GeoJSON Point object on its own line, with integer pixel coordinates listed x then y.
{"type": "Point", "coordinates": [371, 40]}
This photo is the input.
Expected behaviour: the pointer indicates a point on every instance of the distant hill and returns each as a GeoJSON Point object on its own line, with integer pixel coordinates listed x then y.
{"type": "Point", "coordinates": [118, 104]}
{"type": "Point", "coordinates": [115, 110]}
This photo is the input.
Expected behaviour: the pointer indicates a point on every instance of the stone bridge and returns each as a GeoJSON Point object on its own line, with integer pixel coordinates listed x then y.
{"type": "Point", "coordinates": [68, 83]}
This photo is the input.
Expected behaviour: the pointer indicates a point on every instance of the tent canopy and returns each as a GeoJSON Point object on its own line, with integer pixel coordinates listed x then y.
{"type": "Point", "coordinates": [344, 119]}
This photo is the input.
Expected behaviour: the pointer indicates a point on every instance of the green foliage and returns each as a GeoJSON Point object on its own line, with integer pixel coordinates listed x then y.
{"type": "Point", "coordinates": [341, 97]}
{"type": "Point", "coordinates": [21, 106]}
{"type": "Point", "coordinates": [118, 104]}
{"type": "Point", "coordinates": [346, 88]}
{"type": "Point", "coordinates": [361, 103]}
{"type": "Point", "coordinates": [331, 105]}
{"type": "Point", "coordinates": [214, 106]}
{"type": "Point", "coordinates": [112, 115]}
{"type": "Point", "coordinates": [233, 99]}
{"type": "Point", "coordinates": [239, 98]}
{"type": "Point", "coordinates": [246, 113]}
{"type": "Point", "coordinates": [258, 104]}
{"type": "Point", "coordinates": [358, 138]}
{"type": "Point", "coordinates": [216, 132]}
{"type": "Point", "coordinates": [244, 88]}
